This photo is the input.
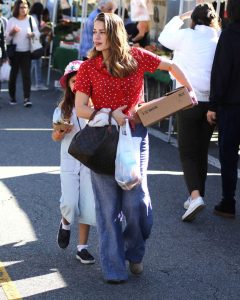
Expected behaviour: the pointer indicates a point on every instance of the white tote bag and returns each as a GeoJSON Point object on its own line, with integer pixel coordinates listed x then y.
{"type": "Point", "coordinates": [5, 72]}
{"type": "Point", "coordinates": [127, 164]}
{"type": "Point", "coordinates": [36, 47]}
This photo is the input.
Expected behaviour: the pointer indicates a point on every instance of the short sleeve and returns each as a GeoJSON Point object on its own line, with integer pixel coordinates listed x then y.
{"type": "Point", "coordinates": [147, 60]}
{"type": "Point", "coordinates": [57, 115]}
{"type": "Point", "coordinates": [83, 81]}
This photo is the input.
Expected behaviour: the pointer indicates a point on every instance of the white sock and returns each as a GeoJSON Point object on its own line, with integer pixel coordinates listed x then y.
{"type": "Point", "coordinates": [66, 227]}
{"type": "Point", "coordinates": [80, 247]}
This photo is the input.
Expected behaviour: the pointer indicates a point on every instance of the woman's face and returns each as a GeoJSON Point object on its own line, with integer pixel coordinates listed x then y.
{"type": "Point", "coordinates": [100, 37]}
{"type": "Point", "coordinates": [71, 82]}
{"type": "Point", "coordinates": [23, 10]}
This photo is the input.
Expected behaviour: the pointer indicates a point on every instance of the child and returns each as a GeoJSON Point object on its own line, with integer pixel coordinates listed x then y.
{"type": "Point", "coordinates": [77, 194]}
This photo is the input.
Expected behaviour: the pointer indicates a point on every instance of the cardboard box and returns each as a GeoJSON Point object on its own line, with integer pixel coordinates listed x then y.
{"type": "Point", "coordinates": [158, 109]}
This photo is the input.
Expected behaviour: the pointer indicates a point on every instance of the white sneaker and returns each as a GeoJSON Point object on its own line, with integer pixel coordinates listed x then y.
{"type": "Point", "coordinates": [195, 206]}
{"type": "Point", "coordinates": [34, 88]}
{"type": "Point", "coordinates": [187, 202]}
{"type": "Point", "coordinates": [42, 87]}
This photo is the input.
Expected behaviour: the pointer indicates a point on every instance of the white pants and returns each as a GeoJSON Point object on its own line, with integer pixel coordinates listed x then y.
{"type": "Point", "coordinates": [77, 197]}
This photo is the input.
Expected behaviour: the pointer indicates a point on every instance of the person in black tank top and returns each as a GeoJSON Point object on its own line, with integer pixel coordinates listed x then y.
{"type": "Point", "coordinates": [139, 33]}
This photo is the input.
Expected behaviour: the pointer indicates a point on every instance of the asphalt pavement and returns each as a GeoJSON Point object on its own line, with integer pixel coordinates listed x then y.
{"type": "Point", "coordinates": [198, 260]}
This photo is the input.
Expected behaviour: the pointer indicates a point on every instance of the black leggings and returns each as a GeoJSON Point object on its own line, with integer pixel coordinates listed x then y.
{"type": "Point", "coordinates": [194, 134]}
{"type": "Point", "coordinates": [22, 61]}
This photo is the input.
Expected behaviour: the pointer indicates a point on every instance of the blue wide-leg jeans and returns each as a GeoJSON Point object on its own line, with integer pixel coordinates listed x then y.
{"type": "Point", "coordinates": [112, 203]}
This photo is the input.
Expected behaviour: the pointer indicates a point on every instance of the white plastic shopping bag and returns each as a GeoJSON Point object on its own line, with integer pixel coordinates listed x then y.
{"type": "Point", "coordinates": [5, 72]}
{"type": "Point", "coordinates": [127, 171]}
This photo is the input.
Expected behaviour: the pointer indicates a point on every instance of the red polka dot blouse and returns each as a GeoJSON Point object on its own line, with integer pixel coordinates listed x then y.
{"type": "Point", "coordinates": [107, 91]}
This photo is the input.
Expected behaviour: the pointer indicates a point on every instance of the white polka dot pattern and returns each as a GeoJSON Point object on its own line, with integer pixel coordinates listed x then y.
{"type": "Point", "coordinates": [107, 91]}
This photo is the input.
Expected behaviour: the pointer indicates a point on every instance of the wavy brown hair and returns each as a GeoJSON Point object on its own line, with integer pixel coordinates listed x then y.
{"type": "Point", "coordinates": [121, 62]}
{"type": "Point", "coordinates": [205, 14]}
{"type": "Point", "coordinates": [68, 101]}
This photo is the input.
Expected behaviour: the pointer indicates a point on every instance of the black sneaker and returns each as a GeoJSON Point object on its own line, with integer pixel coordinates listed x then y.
{"type": "Point", "coordinates": [13, 102]}
{"type": "Point", "coordinates": [225, 209]}
{"type": "Point", "coordinates": [63, 237]}
{"type": "Point", "coordinates": [115, 281]}
{"type": "Point", "coordinates": [85, 257]}
{"type": "Point", "coordinates": [27, 103]}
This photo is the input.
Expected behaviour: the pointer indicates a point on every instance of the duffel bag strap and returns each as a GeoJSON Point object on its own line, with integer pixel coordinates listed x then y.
{"type": "Point", "coordinates": [93, 115]}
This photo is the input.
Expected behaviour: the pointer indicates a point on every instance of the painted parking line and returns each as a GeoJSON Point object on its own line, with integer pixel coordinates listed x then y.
{"type": "Point", "coordinates": [7, 285]}
{"type": "Point", "coordinates": [162, 136]}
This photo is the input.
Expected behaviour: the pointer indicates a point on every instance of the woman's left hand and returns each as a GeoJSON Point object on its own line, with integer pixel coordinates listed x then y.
{"type": "Point", "coordinates": [211, 117]}
{"type": "Point", "coordinates": [30, 35]}
{"type": "Point", "coordinates": [119, 116]}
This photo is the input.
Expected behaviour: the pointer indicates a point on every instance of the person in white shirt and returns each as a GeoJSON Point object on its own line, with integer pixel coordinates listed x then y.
{"type": "Point", "coordinates": [194, 50]}
{"type": "Point", "coordinates": [76, 187]}
{"type": "Point", "coordinates": [18, 32]}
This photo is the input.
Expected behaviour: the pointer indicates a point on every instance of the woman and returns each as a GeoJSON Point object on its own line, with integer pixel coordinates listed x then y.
{"type": "Point", "coordinates": [194, 50]}
{"type": "Point", "coordinates": [139, 33]}
{"type": "Point", "coordinates": [225, 107]}
{"type": "Point", "coordinates": [36, 69]}
{"type": "Point", "coordinates": [113, 78]}
{"type": "Point", "coordinates": [19, 33]}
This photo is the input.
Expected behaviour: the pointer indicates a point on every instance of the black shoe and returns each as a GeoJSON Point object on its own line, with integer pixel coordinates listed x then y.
{"type": "Point", "coordinates": [63, 237]}
{"type": "Point", "coordinates": [115, 281]}
{"type": "Point", "coordinates": [85, 257]}
{"type": "Point", "coordinates": [225, 210]}
{"type": "Point", "coordinates": [27, 103]}
{"type": "Point", "coordinates": [13, 102]}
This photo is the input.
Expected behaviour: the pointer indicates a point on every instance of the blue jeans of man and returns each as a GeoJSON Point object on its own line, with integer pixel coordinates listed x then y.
{"type": "Point", "coordinates": [112, 203]}
{"type": "Point", "coordinates": [36, 71]}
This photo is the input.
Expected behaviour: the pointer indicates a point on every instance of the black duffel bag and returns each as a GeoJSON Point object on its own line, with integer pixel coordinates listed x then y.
{"type": "Point", "coordinates": [96, 147]}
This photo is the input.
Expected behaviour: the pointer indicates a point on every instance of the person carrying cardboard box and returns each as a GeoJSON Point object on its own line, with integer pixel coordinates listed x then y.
{"type": "Point", "coordinates": [194, 50]}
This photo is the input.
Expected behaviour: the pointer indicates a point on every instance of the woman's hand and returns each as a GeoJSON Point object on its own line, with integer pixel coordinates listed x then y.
{"type": "Point", "coordinates": [211, 117]}
{"type": "Point", "coordinates": [14, 30]}
{"type": "Point", "coordinates": [186, 15]}
{"type": "Point", "coordinates": [30, 35]}
{"type": "Point", "coordinates": [59, 134]}
{"type": "Point", "coordinates": [119, 116]}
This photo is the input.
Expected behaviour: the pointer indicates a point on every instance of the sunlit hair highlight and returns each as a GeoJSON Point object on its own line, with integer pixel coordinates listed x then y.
{"type": "Point", "coordinates": [121, 62]}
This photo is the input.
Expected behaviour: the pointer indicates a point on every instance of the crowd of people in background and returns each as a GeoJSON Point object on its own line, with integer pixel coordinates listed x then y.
{"type": "Point", "coordinates": [25, 24]}
{"type": "Point", "coordinates": [205, 60]}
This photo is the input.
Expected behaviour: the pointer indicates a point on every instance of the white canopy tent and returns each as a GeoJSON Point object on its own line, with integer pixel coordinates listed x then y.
{"type": "Point", "coordinates": [183, 5]}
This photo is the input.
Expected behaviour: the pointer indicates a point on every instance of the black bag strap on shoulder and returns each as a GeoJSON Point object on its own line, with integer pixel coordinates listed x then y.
{"type": "Point", "coordinates": [110, 117]}
{"type": "Point", "coordinates": [79, 124]}
{"type": "Point", "coordinates": [93, 115]}
{"type": "Point", "coordinates": [30, 22]}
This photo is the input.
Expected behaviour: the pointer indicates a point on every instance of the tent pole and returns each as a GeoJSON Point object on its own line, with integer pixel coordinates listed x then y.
{"type": "Point", "coordinates": [54, 19]}
{"type": "Point", "coordinates": [83, 20]}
